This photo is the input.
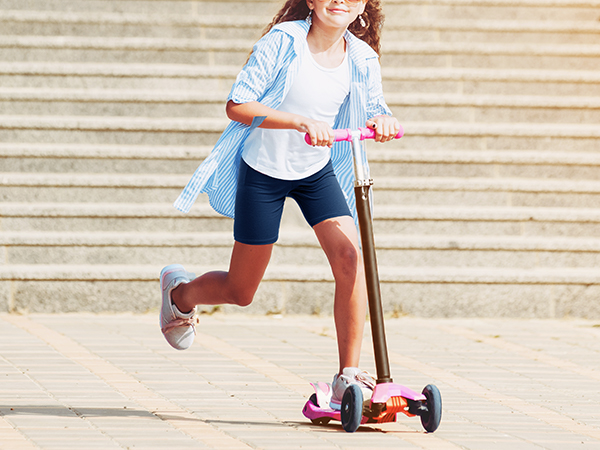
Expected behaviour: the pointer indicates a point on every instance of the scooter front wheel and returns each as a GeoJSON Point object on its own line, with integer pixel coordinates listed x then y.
{"type": "Point", "coordinates": [352, 407]}
{"type": "Point", "coordinates": [431, 419]}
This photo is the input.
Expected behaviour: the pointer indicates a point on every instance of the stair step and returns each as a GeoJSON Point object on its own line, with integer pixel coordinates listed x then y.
{"type": "Point", "coordinates": [86, 102]}
{"type": "Point", "coordinates": [250, 27]}
{"type": "Point", "coordinates": [240, 8]}
{"type": "Point", "coordinates": [311, 274]}
{"type": "Point", "coordinates": [412, 107]}
{"type": "Point", "coordinates": [214, 249]}
{"type": "Point", "coordinates": [429, 191]}
{"type": "Point", "coordinates": [110, 217]}
{"type": "Point", "coordinates": [388, 219]}
{"type": "Point", "coordinates": [385, 160]}
{"type": "Point", "coordinates": [111, 130]}
{"type": "Point", "coordinates": [437, 291]}
{"type": "Point", "coordinates": [148, 188]}
{"type": "Point", "coordinates": [480, 220]}
{"type": "Point", "coordinates": [235, 52]}
{"type": "Point", "coordinates": [192, 78]}
{"type": "Point", "coordinates": [132, 24]}
{"type": "Point", "coordinates": [204, 131]}
{"type": "Point", "coordinates": [490, 55]}
{"type": "Point", "coordinates": [489, 206]}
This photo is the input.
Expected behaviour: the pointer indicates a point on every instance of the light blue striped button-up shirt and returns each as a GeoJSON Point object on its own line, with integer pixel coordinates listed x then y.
{"type": "Point", "coordinates": [266, 78]}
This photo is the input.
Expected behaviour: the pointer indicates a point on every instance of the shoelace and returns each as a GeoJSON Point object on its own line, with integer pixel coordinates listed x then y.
{"type": "Point", "coordinates": [191, 322]}
{"type": "Point", "coordinates": [366, 378]}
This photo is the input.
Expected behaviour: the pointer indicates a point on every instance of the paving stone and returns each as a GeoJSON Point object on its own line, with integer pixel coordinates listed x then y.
{"type": "Point", "coordinates": [504, 382]}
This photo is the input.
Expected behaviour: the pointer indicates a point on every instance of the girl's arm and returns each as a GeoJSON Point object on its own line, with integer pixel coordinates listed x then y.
{"type": "Point", "coordinates": [380, 117]}
{"type": "Point", "coordinates": [320, 133]}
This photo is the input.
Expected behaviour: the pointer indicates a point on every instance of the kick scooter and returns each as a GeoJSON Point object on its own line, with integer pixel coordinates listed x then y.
{"type": "Point", "coordinates": [388, 398]}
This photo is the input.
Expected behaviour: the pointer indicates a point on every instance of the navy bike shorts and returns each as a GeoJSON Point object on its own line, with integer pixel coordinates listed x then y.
{"type": "Point", "coordinates": [260, 199]}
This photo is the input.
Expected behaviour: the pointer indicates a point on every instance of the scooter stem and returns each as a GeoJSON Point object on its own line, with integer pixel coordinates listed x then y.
{"type": "Point", "coordinates": [362, 187]}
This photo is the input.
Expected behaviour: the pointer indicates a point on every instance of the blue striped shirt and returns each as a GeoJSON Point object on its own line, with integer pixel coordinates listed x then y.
{"type": "Point", "coordinates": [266, 78]}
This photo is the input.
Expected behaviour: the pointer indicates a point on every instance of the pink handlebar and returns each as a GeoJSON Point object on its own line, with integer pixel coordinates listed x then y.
{"type": "Point", "coordinates": [346, 134]}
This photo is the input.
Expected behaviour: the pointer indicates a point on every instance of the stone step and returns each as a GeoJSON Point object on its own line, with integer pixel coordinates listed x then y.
{"type": "Point", "coordinates": [98, 188]}
{"type": "Point", "coordinates": [118, 217]}
{"type": "Point", "coordinates": [413, 9]}
{"type": "Point", "coordinates": [507, 30]}
{"type": "Point", "coordinates": [117, 76]}
{"type": "Point", "coordinates": [166, 7]}
{"type": "Point", "coordinates": [482, 81]}
{"type": "Point", "coordinates": [214, 249]}
{"type": "Point", "coordinates": [86, 158]}
{"type": "Point", "coordinates": [437, 291]}
{"type": "Point", "coordinates": [541, 10]}
{"type": "Point", "coordinates": [478, 220]}
{"type": "Point", "coordinates": [494, 108]}
{"type": "Point", "coordinates": [406, 107]}
{"type": "Point", "coordinates": [490, 55]}
{"type": "Point", "coordinates": [88, 102]}
{"type": "Point", "coordinates": [468, 81]}
{"type": "Point", "coordinates": [235, 52]}
{"type": "Point", "coordinates": [204, 131]}
{"type": "Point", "coordinates": [109, 24]}
{"type": "Point", "coordinates": [388, 219]}
{"type": "Point", "coordinates": [429, 191]}
{"type": "Point", "coordinates": [398, 190]}
{"type": "Point", "coordinates": [48, 23]}
{"type": "Point", "coordinates": [111, 130]}
{"type": "Point", "coordinates": [387, 160]}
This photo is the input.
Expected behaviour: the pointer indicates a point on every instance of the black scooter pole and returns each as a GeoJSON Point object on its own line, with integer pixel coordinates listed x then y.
{"type": "Point", "coordinates": [365, 222]}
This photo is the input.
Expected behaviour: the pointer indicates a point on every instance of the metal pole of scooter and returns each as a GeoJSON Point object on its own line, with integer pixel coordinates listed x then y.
{"type": "Point", "coordinates": [362, 187]}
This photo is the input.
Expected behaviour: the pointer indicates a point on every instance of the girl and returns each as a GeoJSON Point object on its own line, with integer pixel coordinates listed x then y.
{"type": "Point", "coordinates": [309, 73]}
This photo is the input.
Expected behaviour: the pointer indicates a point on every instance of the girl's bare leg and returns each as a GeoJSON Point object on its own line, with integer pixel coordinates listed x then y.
{"type": "Point", "coordinates": [236, 287]}
{"type": "Point", "coordinates": [339, 239]}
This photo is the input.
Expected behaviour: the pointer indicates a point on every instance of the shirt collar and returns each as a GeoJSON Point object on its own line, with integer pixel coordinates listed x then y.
{"type": "Point", "coordinates": [358, 53]}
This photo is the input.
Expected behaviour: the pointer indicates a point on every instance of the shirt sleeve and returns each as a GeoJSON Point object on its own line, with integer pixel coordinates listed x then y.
{"type": "Point", "coordinates": [376, 105]}
{"type": "Point", "coordinates": [259, 72]}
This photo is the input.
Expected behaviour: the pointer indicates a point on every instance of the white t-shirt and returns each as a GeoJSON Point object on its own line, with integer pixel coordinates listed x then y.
{"type": "Point", "coordinates": [317, 92]}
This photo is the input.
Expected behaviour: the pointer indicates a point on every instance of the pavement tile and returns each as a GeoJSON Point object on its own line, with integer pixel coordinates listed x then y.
{"type": "Point", "coordinates": [111, 381]}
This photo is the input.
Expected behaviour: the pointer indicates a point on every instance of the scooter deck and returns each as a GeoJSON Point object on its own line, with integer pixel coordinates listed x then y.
{"type": "Point", "coordinates": [387, 401]}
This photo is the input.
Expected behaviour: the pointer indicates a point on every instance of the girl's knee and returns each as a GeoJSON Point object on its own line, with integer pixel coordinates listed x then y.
{"type": "Point", "coordinates": [346, 261]}
{"type": "Point", "coordinates": [241, 298]}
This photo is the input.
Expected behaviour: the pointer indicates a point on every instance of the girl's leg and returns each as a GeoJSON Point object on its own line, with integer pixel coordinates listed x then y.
{"type": "Point", "coordinates": [339, 239]}
{"type": "Point", "coordinates": [237, 286]}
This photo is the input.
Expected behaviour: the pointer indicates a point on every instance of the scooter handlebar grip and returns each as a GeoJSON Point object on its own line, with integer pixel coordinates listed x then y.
{"type": "Point", "coordinates": [346, 134]}
{"type": "Point", "coordinates": [340, 135]}
{"type": "Point", "coordinates": [369, 133]}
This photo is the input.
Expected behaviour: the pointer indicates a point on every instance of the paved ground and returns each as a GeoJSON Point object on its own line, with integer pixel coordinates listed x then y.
{"type": "Point", "coordinates": [111, 382]}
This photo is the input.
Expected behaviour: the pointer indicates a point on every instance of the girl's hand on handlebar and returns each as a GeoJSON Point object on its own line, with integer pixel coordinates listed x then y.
{"type": "Point", "coordinates": [386, 127]}
{"type": "Point", "coordinates": [321, 134]}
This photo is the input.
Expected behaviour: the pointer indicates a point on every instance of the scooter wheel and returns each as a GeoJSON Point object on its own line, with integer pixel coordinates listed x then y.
{"type": "Point", "coordinates": [352, 406]}
{"type": "Point", "coordinates": [320, 420]}
{"type": "Point", "coordinates": [431, 420]}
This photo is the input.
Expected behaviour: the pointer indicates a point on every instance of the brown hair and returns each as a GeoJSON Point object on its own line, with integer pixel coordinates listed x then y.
{"type": "Point", "coordinates": [372, 16]}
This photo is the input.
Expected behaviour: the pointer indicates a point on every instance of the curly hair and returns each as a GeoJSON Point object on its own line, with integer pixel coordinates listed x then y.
{"type": "Point", "coordinates": [372, 17]}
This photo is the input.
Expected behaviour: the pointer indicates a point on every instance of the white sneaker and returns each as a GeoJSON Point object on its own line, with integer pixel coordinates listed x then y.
{"type": "Point", "coordinates": [177, 327]}
{"type": "Point", "coordinates": [351, 375]}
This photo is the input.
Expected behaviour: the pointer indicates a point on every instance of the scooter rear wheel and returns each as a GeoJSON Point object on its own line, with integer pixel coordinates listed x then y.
{"type": "Point", "coordinates": [320, 420]}
{"type": "Point", "coordinates": [431, 420]}
{"type": "Point", "coordinates": [352, 407]}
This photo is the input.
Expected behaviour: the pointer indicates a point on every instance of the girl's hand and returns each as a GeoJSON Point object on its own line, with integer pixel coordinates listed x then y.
{"type": "Point", "coordinates": [321, 134]}
{"type": "Point", "coordinates": [386, 127]}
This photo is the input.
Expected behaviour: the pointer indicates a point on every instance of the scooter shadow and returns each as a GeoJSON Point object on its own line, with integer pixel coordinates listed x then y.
{"type": "Point", "coordinates": [329, 428]}
{"type": "Point", "coordinates": [337, 428]}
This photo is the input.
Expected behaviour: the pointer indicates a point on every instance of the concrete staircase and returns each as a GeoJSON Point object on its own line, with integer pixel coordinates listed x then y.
{"type": "Point", "coordinates": [489, 206]}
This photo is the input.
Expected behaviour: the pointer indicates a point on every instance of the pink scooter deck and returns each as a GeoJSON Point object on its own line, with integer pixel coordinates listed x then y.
{"type": "Point", "coordinates": [394, 396]}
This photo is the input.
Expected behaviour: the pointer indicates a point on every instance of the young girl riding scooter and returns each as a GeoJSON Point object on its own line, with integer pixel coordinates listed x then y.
{"type": "Point", "coordinates": [316, 68]}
